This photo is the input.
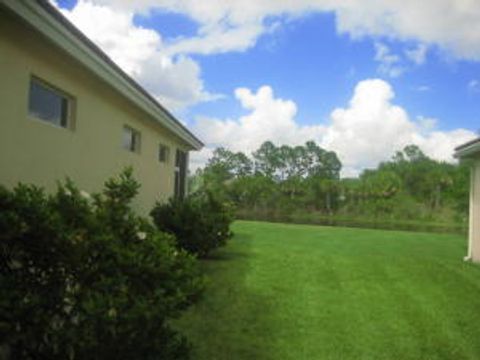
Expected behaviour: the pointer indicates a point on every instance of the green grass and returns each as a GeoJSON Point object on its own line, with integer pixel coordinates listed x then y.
{"type": "Point", "coordinates": [368, 222]}
{"type": "Point", "coordinates": [309, 292]}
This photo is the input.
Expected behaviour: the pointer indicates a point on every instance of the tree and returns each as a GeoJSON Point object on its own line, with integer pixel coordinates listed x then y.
{"type": "Point", "coordinates": [223, 167]}
{"type": "Point", "coordinates": [267, 160]}
{"type": "Point", "coordinates": [322, 163]}
{"type": "Point", "coordinates": [227, 164]}
{"type": "Point", "coordinates": [291, 178]}
{"type": "Point", "coordinates": [253, 192]}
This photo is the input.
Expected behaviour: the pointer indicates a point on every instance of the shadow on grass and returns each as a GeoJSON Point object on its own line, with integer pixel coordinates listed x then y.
{"type": "Point", "coordinates": [231, 321]}
{"type": "Point", "coordinates": [220, 255]}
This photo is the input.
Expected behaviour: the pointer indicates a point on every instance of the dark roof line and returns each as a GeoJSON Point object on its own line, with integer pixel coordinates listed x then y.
{"type": "Point", "coordinates": [470, 143]}
{"type": "Point", "coordinates": [82, 37]}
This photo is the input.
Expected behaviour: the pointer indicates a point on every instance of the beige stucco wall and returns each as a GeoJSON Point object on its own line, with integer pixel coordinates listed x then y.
{"type": "Point", "coordinates": [36, 152]}
{"type": "Point", "coordinates": [474, 229]}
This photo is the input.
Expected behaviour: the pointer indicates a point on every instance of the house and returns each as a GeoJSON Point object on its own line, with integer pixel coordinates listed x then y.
{"type": "Point", "coordinates": [471, 150]}
{"type": "Point", "coordinates": [66, 109]}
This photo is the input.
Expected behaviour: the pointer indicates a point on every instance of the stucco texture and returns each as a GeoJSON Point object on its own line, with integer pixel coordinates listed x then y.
{"type": "Point", "coordinates": [34, 151]}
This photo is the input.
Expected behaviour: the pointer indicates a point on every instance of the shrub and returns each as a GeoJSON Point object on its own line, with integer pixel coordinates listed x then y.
{"type": "Point", "coordinates": [85, 278]}
{"type": "Point", "coordinates": [200, 223]}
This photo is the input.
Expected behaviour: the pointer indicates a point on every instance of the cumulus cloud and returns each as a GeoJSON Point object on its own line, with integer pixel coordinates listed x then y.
{"type": "Point", "coordinates": [458, 30]}
{"type": "Point", "coordinates": [368, 130]}
{"type": "Point", "coordinates": [269, 118]}
{"type": "Point", "coordinates": [364, 132]}
{"type": "Point", "coordinates": [176, 83]}
{"type": "Point", "coordinates": [372, 127]}
{"type": "Point", "coordinates": [114, 32]}
{"type": "Point", "coordinates": [174, 80]}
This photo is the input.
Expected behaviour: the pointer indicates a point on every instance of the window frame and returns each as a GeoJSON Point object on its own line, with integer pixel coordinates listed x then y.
{"type": "Point", "coordinates": [67, 121]}
{"type": "Point", "coordinates": [180, 174]}
{"type": "Point", "coordinates": [135, 140]}
{"type": "Point", "coordinates": [166, 153]}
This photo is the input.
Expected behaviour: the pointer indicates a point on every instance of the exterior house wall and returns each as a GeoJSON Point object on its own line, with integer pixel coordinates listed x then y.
{"type": "Point", "coordinates": [34, 151]}
{"type": "Point", "coordinates": [474, 228]}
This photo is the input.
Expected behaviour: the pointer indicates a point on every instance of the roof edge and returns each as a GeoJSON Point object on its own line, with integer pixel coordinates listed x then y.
{"type": "Point", "coordinates": [469, 148]}
{"type": "Point", "coordinates": [51, 23]}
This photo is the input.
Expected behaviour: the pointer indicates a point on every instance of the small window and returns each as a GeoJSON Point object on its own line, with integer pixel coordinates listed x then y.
{"type": "Point", "coordinates": [48, 104]}
{"type": "Point", "coordinates": [163, 153]}
{"type": "Point", "coordinates": [131, 139]}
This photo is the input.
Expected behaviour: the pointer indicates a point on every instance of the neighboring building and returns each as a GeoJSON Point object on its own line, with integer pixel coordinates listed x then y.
{"type": "Point", "coordinates": [67, 110]}
{"type": "Point", "coordinates": [471, 150]}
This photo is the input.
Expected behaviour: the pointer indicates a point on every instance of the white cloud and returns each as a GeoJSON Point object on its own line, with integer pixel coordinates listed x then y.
{"type": "Point", "coordinates": [389, 62]}
{"type": "Point", "coordinates": [418, 54]}
{"type": "Point", "coordinates": [236, 25]}
{"type": "Point", "coordinates": [175, 80]}
{"type": "Point", "coordinates": [453, 25]}
{"type": "Point", "coordinates": [270, 118]}
{"type": "Point", "coordinates": [198, 159]}
{"type": "Point", "coordinates": [427, 124]}
{"type": "Point", "coordinates": [176, 83]}
{"type": "Point", "coordinates": [219, 39]}
{"type": "Point", "coordinates": [457, 31]}
{"type": "Point", "coordinates": [363, 133]}
{"type": "Point", "coordinates": [393, 65]}
{"type": "Point", "coordinates": [115, 33]}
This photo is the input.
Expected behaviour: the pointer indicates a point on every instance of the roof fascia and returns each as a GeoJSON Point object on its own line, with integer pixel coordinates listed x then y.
{"type": "Point", "coordinates": [41, 19]}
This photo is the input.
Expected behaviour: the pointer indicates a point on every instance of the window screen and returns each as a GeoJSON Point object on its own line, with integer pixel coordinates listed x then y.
{"type": "Point", "coordinates": [47, 104]}
{"type": "Point", "coordinates": [131, 139]}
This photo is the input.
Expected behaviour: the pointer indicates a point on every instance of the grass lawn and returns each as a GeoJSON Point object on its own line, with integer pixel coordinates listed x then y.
{"type": "Point", "coordinates": [309, 292]}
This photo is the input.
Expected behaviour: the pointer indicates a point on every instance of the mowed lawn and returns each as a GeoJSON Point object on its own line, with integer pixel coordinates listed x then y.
{"type": "Point", "coordinates": [310, 292]}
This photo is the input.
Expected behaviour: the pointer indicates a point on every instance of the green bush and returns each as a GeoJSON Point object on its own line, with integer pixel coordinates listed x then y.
{"type": "Point", "coordinates": [83, 277]}
{"type": "Point", "coordinates": [200, 222]}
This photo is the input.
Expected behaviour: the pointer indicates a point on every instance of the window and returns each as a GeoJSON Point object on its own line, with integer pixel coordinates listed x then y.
{"type": "Point", "coordinates": [131, 139]}
{"type": "Point", "coordinates": [180, 174]}
{"type": "Point", "coordinates": [163, 153]}
{"type": "Point", "coordinates": [48, 104]}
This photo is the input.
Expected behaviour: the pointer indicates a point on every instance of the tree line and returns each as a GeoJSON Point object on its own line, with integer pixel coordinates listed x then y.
{"type": "Point", "coordinates": [276, 181]}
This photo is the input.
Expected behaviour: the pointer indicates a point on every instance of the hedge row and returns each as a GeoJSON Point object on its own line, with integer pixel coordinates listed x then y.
{"type": "Point", "coordinates": [83, 277]}
{"type": "Point", "coordinates": [200, 224]}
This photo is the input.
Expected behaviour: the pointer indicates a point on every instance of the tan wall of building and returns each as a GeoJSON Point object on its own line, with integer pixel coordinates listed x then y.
{"type": "Point", "coordinates": [474, 232]}
{"type": "Point", "coordinates": [34, 151]}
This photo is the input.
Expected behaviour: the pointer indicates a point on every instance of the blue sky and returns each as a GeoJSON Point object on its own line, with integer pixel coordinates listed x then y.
{"type": "Point", "coordinates": [311, 63]}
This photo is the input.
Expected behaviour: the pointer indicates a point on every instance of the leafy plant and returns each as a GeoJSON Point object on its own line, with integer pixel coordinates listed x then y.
{"type": "Point", "coordinates": [200, 223]}
{"type": "Point", "coordinates": [83, 277]}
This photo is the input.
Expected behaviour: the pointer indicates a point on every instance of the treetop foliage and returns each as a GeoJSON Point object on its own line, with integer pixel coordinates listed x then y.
{"type": "Point", "coordinates": [276, 162]}
{"type": "Point", "coordinates": [306, 178]}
